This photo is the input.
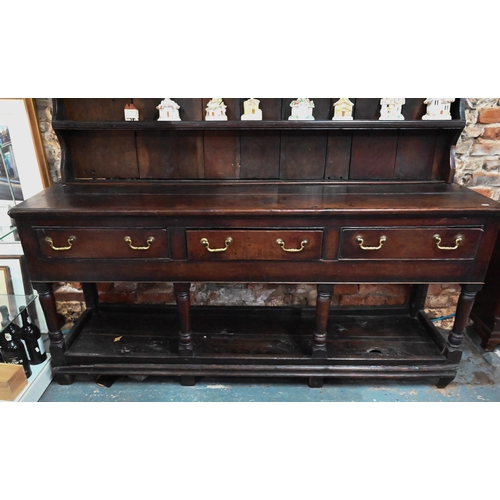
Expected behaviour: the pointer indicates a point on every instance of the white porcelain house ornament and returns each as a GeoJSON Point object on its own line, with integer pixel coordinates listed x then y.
{"type": "Point", "coordinates": [251, 110]}
{"type": "Point", "coordinates": [216, 110]}
{"type": "Point", "coordinates": [131, 113]}
{"type": "Point", "coordinates": [169, 111]}
{"type": "Point", "coordinates": [391, 108]}
{"type": "Point", "coordinates": [438, 108]}
{"type": "Point", "coordinates": [343, 109]}
{"type": "Point", "coordinates": [302, 109]}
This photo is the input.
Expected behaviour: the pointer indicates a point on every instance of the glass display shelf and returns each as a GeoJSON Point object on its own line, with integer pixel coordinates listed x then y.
{"type": "Point", "coordinates": [8, 233]}
{"type": "Point", "coordinates": [10, 305]}
{"type": "Point", "coordinates": [41, 375]}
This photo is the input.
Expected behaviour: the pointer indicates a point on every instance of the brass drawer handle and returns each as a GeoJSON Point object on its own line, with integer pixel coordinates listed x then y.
{"type": "Point", "coordinates": [149, 242]}
{"type": "Point", "coordinates": [206, 244]}
{"type": "Point", "coordinates": [361, 242]}
{"type": "Point", "coordinates": [281, 243]}
{"type": "Point", "coordinates": [50, 242]}
{"type": "Point", "coordinates": [458, 239]}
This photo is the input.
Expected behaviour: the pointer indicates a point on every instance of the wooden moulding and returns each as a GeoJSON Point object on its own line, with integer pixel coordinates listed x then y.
{"type": "Point", "coordinates": [12, 381]}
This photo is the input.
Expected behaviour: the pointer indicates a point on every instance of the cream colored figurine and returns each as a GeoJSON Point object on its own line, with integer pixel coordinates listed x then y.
{"type": "Point", "coordinates": [251, 110]}
{"type": "Point", "coordinates": [131, 113]}
{"type": "Point", "coordinates": [169, 111]}
{"type": "Point", "coordinates": [391, 108]}
{"type": "Point", "coordinates": [216, 110]}
{"type": "Point", "coordinates": [438, 108]}
{"type": "Point", "coordinates": [343, 109]}
{"type": "Point", "coordinates": [302, 109]}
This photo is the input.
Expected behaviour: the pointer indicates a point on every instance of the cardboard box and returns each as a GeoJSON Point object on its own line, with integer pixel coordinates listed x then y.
{"type": "Point", "coordinates": [12, 381]}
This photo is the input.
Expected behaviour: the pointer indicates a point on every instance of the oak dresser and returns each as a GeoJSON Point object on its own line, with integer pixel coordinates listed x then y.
{"type": "Point", "coordinates": [274, 201]}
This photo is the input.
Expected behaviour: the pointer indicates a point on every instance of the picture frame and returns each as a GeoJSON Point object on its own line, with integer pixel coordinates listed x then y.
{"type": "Point", "coordinates": [18, 117]}
{"type": "Point", "coordinates": [24, 157]}
{"type": "Point", "coordinates": [6, 287]}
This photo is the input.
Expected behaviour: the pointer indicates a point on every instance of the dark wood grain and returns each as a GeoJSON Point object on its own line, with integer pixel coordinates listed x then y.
{"type": "Point", "coordinates": [415, 155]}
{"type": "Point", "coordinates": [83, 109]}
{"type": "Point", "coordinates": [222, 155]}
{"type": "Point", "coordinates": [486, 310]}
{"type": "Point", "coordinates": [338, 159]}
{"type": "Point", "coordinates": [162, 156]}
{"type": "Point", "coordinates": [112, 156]}
{"type": "Point", "coordinates": [260, 155]}
{"type": "Point", "coordinates": [367, 108]}
{"type": "Point", "coordinates": [303, 155]}
{"type": "Point", "coordinates": [373, 155]}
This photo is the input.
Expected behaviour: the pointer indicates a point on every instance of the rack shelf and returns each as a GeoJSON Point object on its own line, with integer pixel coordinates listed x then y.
{"type": "Point", "coordinates": [261, 125]}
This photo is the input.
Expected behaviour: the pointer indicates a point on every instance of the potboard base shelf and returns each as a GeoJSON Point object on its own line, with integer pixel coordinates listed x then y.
{"type": "Point", "coordinates": [255, 342]}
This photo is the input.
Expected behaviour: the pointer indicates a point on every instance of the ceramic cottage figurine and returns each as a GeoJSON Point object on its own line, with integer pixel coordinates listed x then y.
{"type": "Point", "coordinates": [169, 111]}
{"type": "Point", "coordinates": [251, 110]}
{"type": "Point", "coordinates": [438, 108]}
{"type": "Point", "coordinates": [343, 109]}
{"type": "Point", "coordinates": [302, 109]}
{"type": "Point", "coordinates": [216, 110]}
{"type": "Point", "coordinates": [131, 113]}
{"type": "Point", "coordinates": [391, 108]}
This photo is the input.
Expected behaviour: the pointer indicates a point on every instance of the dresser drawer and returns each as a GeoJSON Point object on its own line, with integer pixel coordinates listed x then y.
{"type": "Point", "coordinates": [409, 243]}
{"type": "Point", "coordinates": [89, 243]}
{"type": "Point", "coordinates": [254, 244]}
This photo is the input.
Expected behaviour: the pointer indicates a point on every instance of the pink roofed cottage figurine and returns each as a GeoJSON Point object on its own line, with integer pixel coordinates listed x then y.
{"type": "Point", "coordinates": [131, 113]}
{"type": "Point", "coordinates": [302, 109]}
{"type": "Point", "coordinates": [169, 111]}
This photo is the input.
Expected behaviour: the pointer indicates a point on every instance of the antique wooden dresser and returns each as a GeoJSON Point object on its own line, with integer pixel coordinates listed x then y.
{"type": "Point", "coordinates": [274, 201]}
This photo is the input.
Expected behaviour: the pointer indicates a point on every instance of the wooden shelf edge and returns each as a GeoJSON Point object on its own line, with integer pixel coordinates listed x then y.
{"type": "Point", "coordinates": [259, 125]}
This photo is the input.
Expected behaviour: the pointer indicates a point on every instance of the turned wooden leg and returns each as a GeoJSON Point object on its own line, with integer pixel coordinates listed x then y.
{"type": "Point", "coordinates": [322, 310]}
{"type": "Point", "coordinates": [48, 303]}
{"type": "Point", "coordinates": [417, 299]}
{"type": "Point", "coordinates": [464, 307]}
{"type": "Point", "coordinates": [91, 296]}
{"type": "Point", "coordinates": [186, 346]}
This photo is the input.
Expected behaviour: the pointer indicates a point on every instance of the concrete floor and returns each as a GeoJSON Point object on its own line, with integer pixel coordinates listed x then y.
{"type": "Point", "coordinates": [478, 380]}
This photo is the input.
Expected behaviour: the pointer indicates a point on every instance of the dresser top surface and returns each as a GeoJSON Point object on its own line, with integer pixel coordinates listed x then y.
{"type": "Point", "coordinates": [259, 199]}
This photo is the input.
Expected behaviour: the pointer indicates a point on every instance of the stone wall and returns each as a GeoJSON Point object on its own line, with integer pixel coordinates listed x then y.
{"type": "Point", "coordinates": [478, 151]}
{"type": "Point", "coordinates": [50, 142]}
{"type": "Point", "coordinates": [478, 168]}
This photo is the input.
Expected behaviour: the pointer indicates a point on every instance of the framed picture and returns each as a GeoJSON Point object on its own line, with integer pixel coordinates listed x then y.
{"type": "Point", "coordinates": [6, 287]}
{"type": "Point", "coordinates": [23, 165]}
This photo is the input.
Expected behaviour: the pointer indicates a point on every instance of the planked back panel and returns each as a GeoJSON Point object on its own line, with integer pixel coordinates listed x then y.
{"type": "Point", "coordinates": [232, 154]}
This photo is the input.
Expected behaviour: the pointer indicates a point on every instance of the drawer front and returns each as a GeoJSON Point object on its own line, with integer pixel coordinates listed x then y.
{"type": "Point", "coordinates": [294, 245]}
{"type": "Point", "coordinates": [103, 243]}
{"type": "Point", "coordinates": [410, 243]}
